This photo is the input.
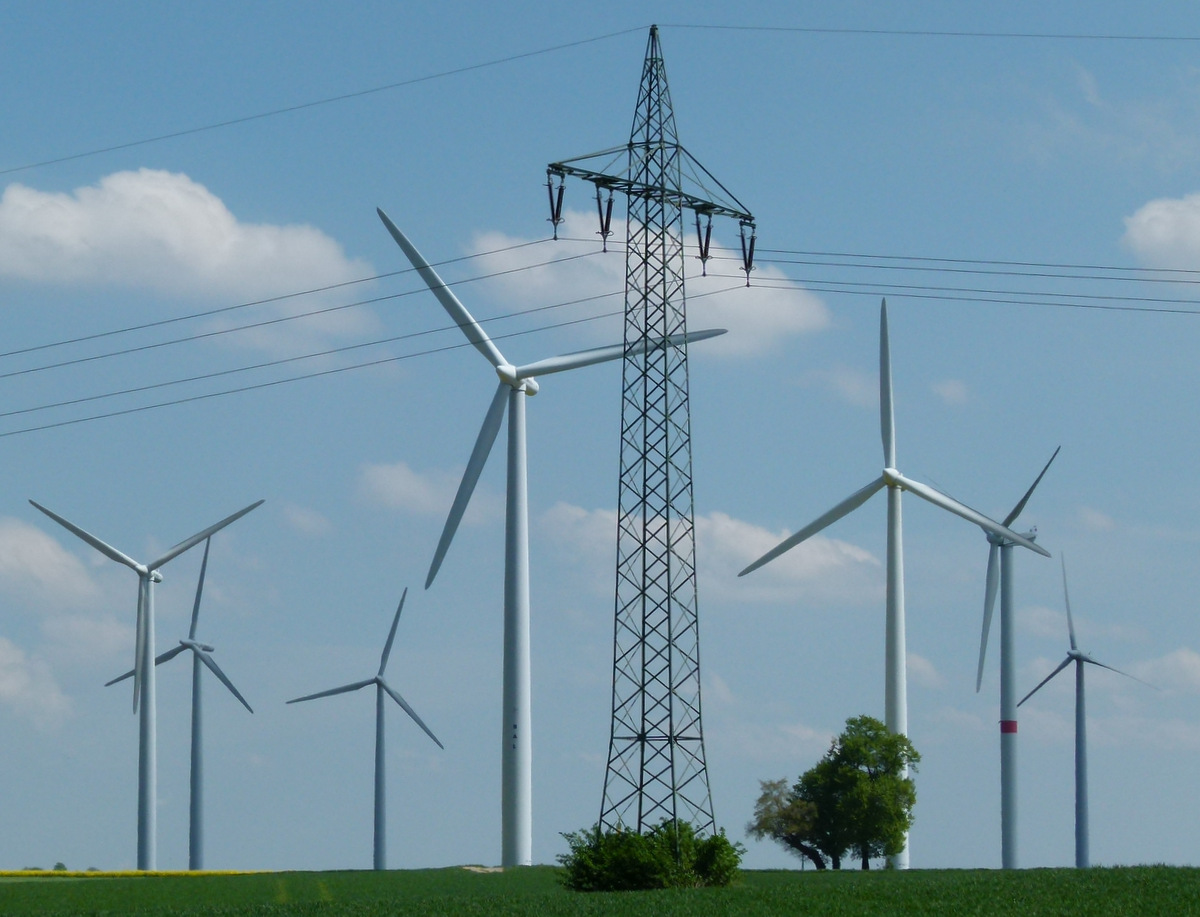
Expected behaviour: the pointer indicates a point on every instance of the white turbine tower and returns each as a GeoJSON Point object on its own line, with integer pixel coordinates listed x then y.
{"type": "Point", "coordinates": [895, 672]}
{"type": "Point", "coordinates": [143, 667]}
{"type": "Point", "coordinates": [1000, 574]}
{"type": "Point", "coordinates": [1082, 856]}
{"type": "Point", "coordinates": [515, 382]}
{"type": "Point", "coordinates": [382, 688]}
{"type": "Point", "coordinates": [200, 658]}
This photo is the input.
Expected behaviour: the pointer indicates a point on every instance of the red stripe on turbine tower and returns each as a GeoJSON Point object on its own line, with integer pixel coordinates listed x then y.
{"type": "Point", "coordinates": [1008, 725]}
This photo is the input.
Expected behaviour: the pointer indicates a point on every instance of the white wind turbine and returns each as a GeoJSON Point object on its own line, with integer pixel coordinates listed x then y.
{"type": "Point", "coordinates": [1000, 574]}
{"type": "Point", "coordinates": [895, 672]}
{"type": "Point", "coordinates": [1082, 857]}
{"type": "Point", "coordinates": [143, 667]}
{"type": "Point", "coordinates": [515, 381]}
{"type": "Point", "coordinates": [382, 688]}
{"type": "Point", "coordinates": [200, 657]}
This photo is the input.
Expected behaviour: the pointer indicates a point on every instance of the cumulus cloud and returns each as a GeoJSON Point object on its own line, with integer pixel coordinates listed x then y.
{"type": "Point", "coordinates": [1177, 672]}
{"type": "Point", "coordinates": [769, 741]}
{"type": "Point", "coordinates": [951, 391]}
{"type": "Point", "coordinates": [166, 233]}
{"type": "Point", "coordinates": [1095, 520]}
{"type": "Point", "coordinates": [821, 569]}
{"type": "Point", "coordinates": [398, 486]}
{"type": "Point", "coordinates": [1166, 232]}
{"type": "Point", "coordinates": [306, 521]}
{"type": "Point", "coordinates": [922, 672]}
{"type": "Point", "coordinates": [160, 231]}
{"type": "Point", "coordinates": [28, 688]}
{"type": "Point", "coordinates": [759, 318]}
{"type": "Point", "coordinates": [35, 566]}
{"type": "Point", "coordinates": [851, 385]}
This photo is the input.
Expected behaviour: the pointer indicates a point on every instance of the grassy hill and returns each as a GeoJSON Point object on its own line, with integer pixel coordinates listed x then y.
{"type": "Point", "coordinates": [1142, 891]}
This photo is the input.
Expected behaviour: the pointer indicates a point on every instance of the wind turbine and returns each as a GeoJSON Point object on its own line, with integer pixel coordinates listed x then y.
{"type": "Point", "coordinates": [895, 673]}
{"type": "Point", "coordinates": [515, 381]}
{"type": "Point", "coordinates": [1082, 858]}
{"type": "Point", "coordinates": [200, 656]}
{"type": "Point", "coordinates": [143, 667]}
{"type": "Point", "coordinates": [1000, 573]}
{"type": "Point", "coordinates": [381, 688]}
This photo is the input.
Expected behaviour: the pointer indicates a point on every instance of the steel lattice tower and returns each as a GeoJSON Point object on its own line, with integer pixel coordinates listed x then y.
{"type": "Point", "coordinates": [656, 764]}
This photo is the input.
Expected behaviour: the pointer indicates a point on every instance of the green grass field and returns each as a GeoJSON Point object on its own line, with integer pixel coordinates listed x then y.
{"type": "Point", "coordinates": [1141, 891]}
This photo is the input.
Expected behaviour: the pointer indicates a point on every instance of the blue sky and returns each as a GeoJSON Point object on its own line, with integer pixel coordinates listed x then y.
{"type": "Point", "coordinates": [1007, 195]}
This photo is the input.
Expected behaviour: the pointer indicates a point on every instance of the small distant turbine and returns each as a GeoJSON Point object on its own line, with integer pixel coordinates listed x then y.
{"type": "Point", "coordinates": [200, 656]}
{"type": "Point", "coordinates": [381, 688]}
{"type": "Point", "coordinates": [1082, 857]}
{"type": "Point", "coordinates": [895, 672]}
{"type": "Point", "coordinates": [516, 382]}
{"type": "Point", "coordinates": [143, 667]}
{"type": "Point", "coordinates": [1000, 574]}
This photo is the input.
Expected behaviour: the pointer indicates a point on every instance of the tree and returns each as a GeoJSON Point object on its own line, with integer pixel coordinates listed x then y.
{"type": "Point", "coordinates": [781, 816]}
{"type": "Point", "coordinates": [857, 798]}
{"type": "Point", "coordinates": [879, 795]}
{"type": "Point", "coordinates": [669, 855]}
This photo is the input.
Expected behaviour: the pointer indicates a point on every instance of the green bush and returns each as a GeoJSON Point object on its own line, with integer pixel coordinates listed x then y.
{"type": "Point", "coordinates": [668, 856]}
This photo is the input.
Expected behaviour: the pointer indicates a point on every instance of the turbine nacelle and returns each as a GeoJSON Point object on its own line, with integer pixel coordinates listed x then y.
{"type": "Point", "coordinates": [512, 376]}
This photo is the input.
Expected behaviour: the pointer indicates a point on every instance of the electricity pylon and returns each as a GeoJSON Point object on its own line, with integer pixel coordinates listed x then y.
{"type": "Point", "coordinates": [656, 765]}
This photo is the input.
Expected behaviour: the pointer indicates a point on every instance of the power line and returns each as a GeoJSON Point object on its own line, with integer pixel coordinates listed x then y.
{"type": "Point", "coordinates": [257, 302]}
{"type": "Point", "coordinates": [313, 375]}
{"type": "Point", "coordinates": [316, 103]}
{"type": "Point", "coordinates": [935, 33]}
{"type": "Point", "coordinates": [155, 345]}
{"type": "Point", "coordinates": [333, 352]}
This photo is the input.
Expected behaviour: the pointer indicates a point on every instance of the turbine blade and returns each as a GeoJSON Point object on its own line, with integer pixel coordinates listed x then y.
{"type": "Point", "coordinates": [1105, 665]}
{"type": "Point", "coordinates": [1012, 517]}
{"type": "Point", "coordinates": [106, 549]}
{"type": "Point", "coordinates": [411, 712]}
{"type": "Point", "coordinates": [479, 456]}
{"type": "Point", "coordinates": [458, 312]}
{"type": "Point", "coordinates": [851, 503]}
{"type": "Point", "coordinates": [1067, 602]}
{"type": "Point", "coordinates": [199, 589]}
{"type": "Point", "coordinates": [613, 352]}
{"type": "Point", "coordinates": [989, 604]}
{"type": "Point", "coordinates": [887, 414]}
{"type": "Point", "coordinates": [140, 640]}
{"type": "Point", "coordinates": [189, 543]}
{"type": "Point", "coordinates": [159, 660]}
{"type": "Point", "coordinates": [344, 689]}
{"type": "Point", "coordinates": [387, 647]}
{"type": "Point", "coordinates": [937, 498]}
{"type": "Point", "coordinates": [216, 670]}
{"type": "Point", "coordinates": [1062, 665]}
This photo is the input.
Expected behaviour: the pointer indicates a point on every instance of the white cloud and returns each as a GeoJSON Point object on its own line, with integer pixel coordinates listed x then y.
{"type": "Point", "coordinates": [162, 231]}
{"type": "Point", "coordinates": [305, 520]}
{"type": "Point", "coordinates": [27, 686]}
{"type": "Point", "coordinates": [821, 569]}
{"type": "Point", "coordinates": [1095, 520]}
{"type": "Point", "coordinates": [1040, 621]}
{"type": "Point", "coordinates": [34, 565]}
{"type": "Point", "coordinates": [1166, 232]}
{"type": "Point", "coordinates": [759, 317]}
{"type": "Point", "coordinates": [79, 636]}
{"type": "Point", "coordinates": [922, 672]}
{"type": "Point", "coordinates": [768, 741]}
{"type": "Point", "coordinates": [397, 486]}
{"type": "Point", "coordinates": [951, 391]}
{"type": "Point", "coordinates": [851, 385]}
{"type": "Point", "coordinates": [1177, 672]}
